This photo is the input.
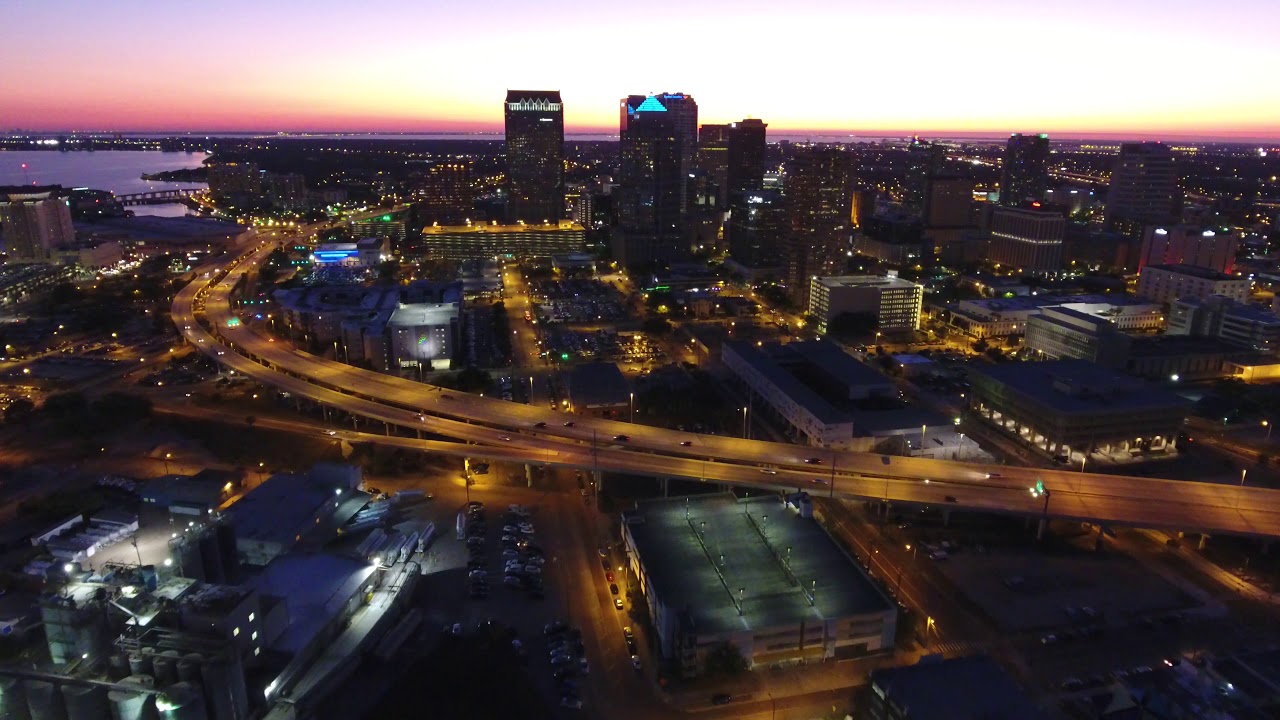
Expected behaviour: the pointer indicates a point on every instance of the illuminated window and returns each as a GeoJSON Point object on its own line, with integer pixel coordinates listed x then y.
{"type": "Point", "coordinates": [251, 616]}
{"type": "Point", "coordinates": [235, 633]}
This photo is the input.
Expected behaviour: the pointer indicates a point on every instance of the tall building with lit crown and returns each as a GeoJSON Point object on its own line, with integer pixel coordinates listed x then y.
{"type": "Point", "coordinates": [682, 114]}
{"type": "Point", "coordinates": [1143, 189]}
{"type": "Point", "coordinates": [650, 192]}
{"type": "Point", "coordinates": [820, 205]}
{"type": "Point", "coordinates": [712, 158]}
{"type": "Point", "coordinates": [535, 156]}
{"type": "Point", "coordinates": [1025, 173]}
{"type": "Point", "coordinates": [33, 224]}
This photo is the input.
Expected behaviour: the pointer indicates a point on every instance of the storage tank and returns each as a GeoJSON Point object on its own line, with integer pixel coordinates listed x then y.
{"type": "Point", "coordinates": [13, 699]}
{"type": "Point", "coordinates": [117, 666]}
{"type": "Point", "coordinates": [44, 700]}
{"type": "Point", "coordinates": [140, 664]}
{"type": "Point", "coordinates": [126, 705]}
{"type": "Point", "coordinates": [166, 665]}
{"type": "Point", "coordinates": [182, 701]}
{"type": "Point", "coordinates": [86, 702]}
{"type": "Point", "coordinates": [189, 667]}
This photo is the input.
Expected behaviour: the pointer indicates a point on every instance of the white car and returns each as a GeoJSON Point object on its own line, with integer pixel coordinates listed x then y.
{"type": "Point", "coordinates": [635, 662]}
{"type": "Point", "coordinates": [571, 702]}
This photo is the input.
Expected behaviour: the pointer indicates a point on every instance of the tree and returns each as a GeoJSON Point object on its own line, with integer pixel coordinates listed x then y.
{"type": "Point", "coordinates": [19, 411]}
{"type": "Point", "coordinates": [656, 326]}
{"type": "Point", "coordinates": [852, 324]}
{"type": "Point", "coordinates": [116, 407]}
{"type": "Point", "coordinates": [64, 404]}
{"type": "Point", "coordinates": [981, 346]}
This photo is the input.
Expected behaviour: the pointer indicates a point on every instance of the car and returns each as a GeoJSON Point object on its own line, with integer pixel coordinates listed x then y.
{"type": "Point", "coordinates": [602, 552]}
{"type": "Point", "coordinates": [555, 627]}
{"type": "Point", "coordinates": [627, 633]}
{"type": "Point", "coordinates": [505, 438]}
{"type": "Point", "coordinates": [540, 424]}
{"type": "Point", "coordinates": [686, 443]}
{"type": "Point", "coordinates": [635, 662]}
{"type": "Point", "coordinates": [1072, 683]}
{"type": "Point", "coordinates": [820, 481]}
{"type": "Point", "coordinates": [993, 475]}
{"type": "Point", "coordinates": [617, 603]}
{"type": "Point", "coordinates": [456, 629]}
{"type": "Point", "coordinates": [569, 423]}
{"type": "Point", "coordinates": [951, 498]}
{"type": "Point", "coordinates": [768, 471]}
{"type": "Point", "coordinates": [571, 703]}
{"type": "Point", "coordinates": [813, 461]}
{"type": "Point", "coordinates": [613, 588]}
{"type": "Point", "coordinates": [477, 573]}
{"type": "Point", "coordinates": [1048, 639]}
{"type": "Point", "coordinates": [510, 530]}
{"type": "Point", "coordinates": [511, 581]}
{"type": "Point", "coordinates": [721, 699]}
{"type": "Point", "coordinates": [608, 576]}
{"type": "Point", "coordinates": [1142, 670]}
{"type": "Point", "coordinates": [621, 438]}
{"type": "Point", "coordinates": [475, 505]}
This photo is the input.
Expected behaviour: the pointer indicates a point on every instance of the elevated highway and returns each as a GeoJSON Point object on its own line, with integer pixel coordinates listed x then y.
{"type": "Point", "coordinates": [512, 431]}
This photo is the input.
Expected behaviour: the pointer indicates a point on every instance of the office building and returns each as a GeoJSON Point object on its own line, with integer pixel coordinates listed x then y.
{"type": "Point", "coordinates": [1027, 239]}
{"type": "Point", "coordinates": [1004, 316]}
{"type": "Point", "coordinates": [1188, 245]}
{"type": "Point", "coordinates": [598, 389]}
{"type": "Point", "coordinates": [233, 178]}
{"type": "Point", "coordinates": [1226, 319]}
{"type": "Point", "coordinates": [1024, 176]}
{"type": "Point", "coordinates": [34, 224]}
{"type": "Point", "coordinates": [746, 155]}
{"type": "Point", "coordinates": [1169, 357]}
{"type": "Point", "coordinates": [448, 194]}
{"type": "Point", "coordinates": [288, 191]}
{"type": "Point", "coordinates": [761, 577]}
{"type": "Point", "coordinates": [894, 238]}
{"type": "Point", "coordinates": [682, 114]}
{"type": "Point", "coordinates": [391, 226]}
{"type": "Point", "coordinates": [1167, 283]}
{"type": "Point", "coordinates": [365, 252]}
{"type": "Point", "coordinates": [1063, 333]}
{"type": "Point", "coordinates": [923, 159]}
{"type": "Point", "coordinates": [535, 156]}
{"type": "Point", "coordinates": [477, 240]}
{"type": "Point", "coordinates": [1072, 408]}
{"type": "Point", "coordinates": [757, 228]}
{"type": "Point", "coordinates": [819, 200]}
{"type": "Point", "coordinates": [422, 335]}
{"type": "Point", "coordinates": [948, 202]}
{"type": "Point", "coordinates": [894, 302]}
{"type": "Point", "coordinates": [806, 385]}
{"type": "Point", "coordinates": [713, 159]}
{"type": "Point", "coordinates": [963, 688]}
{"type": "Point", "coordinates": [649, 198]}
{"type": "Point", "coordinates": [1143, 189]}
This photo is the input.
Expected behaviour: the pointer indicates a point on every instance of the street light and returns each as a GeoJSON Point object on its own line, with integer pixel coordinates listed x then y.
{"type": "Point", "coordinates": [1267, 424]}
{"type": "Point", "coordinates": [744, 422]}
{"type": "Point", "coordinates": [633, 407]}
{"type": "Point", "coordinates": [1243, 472]}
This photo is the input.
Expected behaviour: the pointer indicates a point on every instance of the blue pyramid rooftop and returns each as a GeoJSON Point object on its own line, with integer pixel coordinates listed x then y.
{"type": "Point", "coordinates": [651, 104]}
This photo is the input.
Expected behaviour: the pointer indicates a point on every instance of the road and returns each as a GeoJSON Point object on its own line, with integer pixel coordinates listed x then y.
{"type": "Point", "coordinates": [595, 443]}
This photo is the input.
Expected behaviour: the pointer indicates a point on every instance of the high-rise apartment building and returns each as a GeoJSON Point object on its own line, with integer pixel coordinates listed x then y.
{"type": "Point", "coordinates": [923, 159]}
{"type": "Point", "coordinates": [535, 156]}
{"type": "Point", "coordinates": [1025, 174]}
{"type": "Point", "coordinates": [1143, 189]}
{"type": "Point", "coordinates": [1027, 239]}
{"type": "Point", "coordinates": [757, 227]}
{"type": "Point", "coordinates": [287, 191]}
{"type": "Point", "coordinates": [1188, 245]}
{"type": "Point", "coordinates": [746, 155]}
{"type": "Point", "coordinates": [234, 177]}
{"type": "Point", "coordinates": [33, 224]}
{"type": "Point", "coordinates": [894, 302]}
{"type": "Point", "coordinates": [948, 201]}
{"type": "Point", "coordinates": [820, 205]}
{"type": "Point", "coordinates": [448, 192]}
{"type": "Point", "coordinates": [1168, 283]}
{"type": "Point", "coordinates": [650, 192]}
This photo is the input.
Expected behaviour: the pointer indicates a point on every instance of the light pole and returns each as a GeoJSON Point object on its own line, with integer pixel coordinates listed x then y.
{"type": "Point", "coordinates": [633, 407]}
{"type": "Point", "coordinates": [1243, 472]}
{"type": "Point", "coordinates": [1038, 491]}
{"type": "Point", "coordinates": [1267, 424]}
{"type": "Point", "coordinates": [744, 422]}
{"type": "Point", "coordinates": [923, 429]}
{"type": "Point", "coordinates": [167, 457]}
{"type": "Point", "coordinates": [1084, 456]}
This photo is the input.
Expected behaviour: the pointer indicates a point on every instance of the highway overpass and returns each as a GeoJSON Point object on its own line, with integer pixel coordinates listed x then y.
{"type": "Point", "coordinates": [505, 430]}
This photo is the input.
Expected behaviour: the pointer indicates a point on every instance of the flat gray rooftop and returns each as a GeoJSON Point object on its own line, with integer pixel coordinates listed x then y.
{"type": "Point", "coordinates": [733, 558]}
{"type": "Point", "coordinates": [966, 688]}
{"type": "Point", "coordinates": [1079, 387]}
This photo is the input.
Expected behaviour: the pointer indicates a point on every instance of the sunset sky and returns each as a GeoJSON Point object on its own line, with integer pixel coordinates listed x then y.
{"type": "Point", "coordinates": [1137, 67]}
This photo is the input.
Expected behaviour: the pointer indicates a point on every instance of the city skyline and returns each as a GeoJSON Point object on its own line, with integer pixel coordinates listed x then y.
{"type": "Point", "coordinates": [832, 68]}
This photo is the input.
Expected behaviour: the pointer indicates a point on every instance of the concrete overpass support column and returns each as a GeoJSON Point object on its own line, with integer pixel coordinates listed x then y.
{"type": "Point", "coordinates": [388, 425]}
{"type": "Point", "coordinates": [1204, 539]}
{"type": "Point", "coordinates": [597, 478]}
{"type": "Point", "coordinates": [1266, 547]}
{"type": "Point", "coordinates": [1044, 523]}
{"type": "Point", "coordinates": [663, 483]}
{"type": "Point", "coordinates": [946, 518]}
{"type": "Point", "coordinates": [528, 474]}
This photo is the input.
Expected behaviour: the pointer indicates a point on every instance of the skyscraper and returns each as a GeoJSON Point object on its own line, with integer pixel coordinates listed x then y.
{"type": "Point", "coordinates": [33, 224]}
{"type": "Point", "coordinates": [713, 158]}
{"type": "Point", "coordinates": [1025, 175]}
{"type": "Point", "coordinates": [1027, 239]}
{"type": "Point", "coordinates": [651, 186]}
{"type": "Point", "coordinates": [682, 114]}
{"type": "Point", "coordinates": [923, 159]}
{"type": "Point", "coordinates": [448, 192]}
{"type": "Point", "coordinates": [819, 203]}
{"type": "Point", "coordinates": [1143, 188]}
{"type": "Point", "coordinates": [746, 155]}
{"type": "Point", "coordinates": [757, 227]}
{"type": "Point", "coordinates": [535, 156]}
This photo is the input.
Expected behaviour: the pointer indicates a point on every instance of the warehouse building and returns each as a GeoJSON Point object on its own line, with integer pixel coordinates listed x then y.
{"type": "Point", "coordinates": [756, 576]}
